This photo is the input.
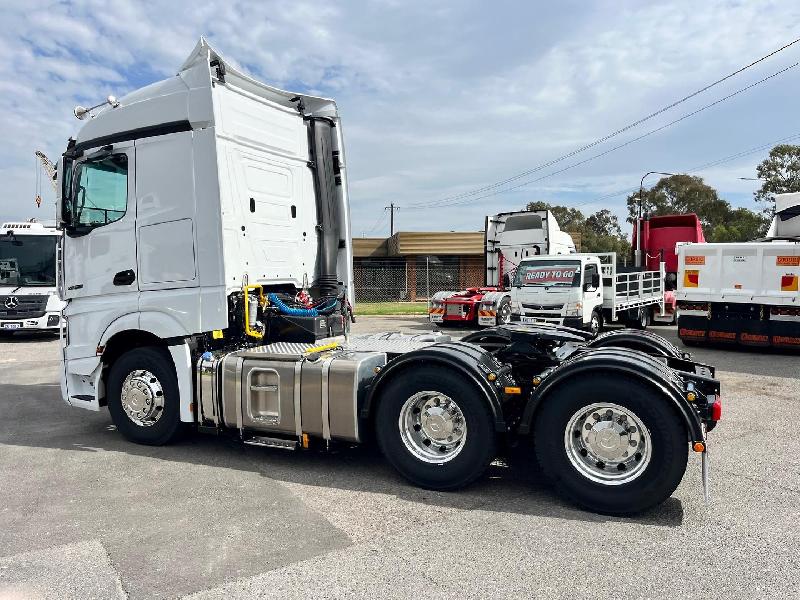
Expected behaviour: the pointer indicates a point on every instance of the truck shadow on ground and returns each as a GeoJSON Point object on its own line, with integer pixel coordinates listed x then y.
{"type": "Point", "coordinates": [47, 423]}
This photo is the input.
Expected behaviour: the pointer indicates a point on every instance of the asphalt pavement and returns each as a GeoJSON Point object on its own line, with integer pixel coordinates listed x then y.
{"type": "Point", "coordinates": [85, 514]}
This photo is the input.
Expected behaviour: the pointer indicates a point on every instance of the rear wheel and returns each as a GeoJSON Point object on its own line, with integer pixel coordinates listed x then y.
{"type": "Point", "coordinates": [435, 428]}
{"type": "Point", "coordinates": [504, 312]}
{"type": "Point", "coordinates": [609, 445]}
{"type": "Point", "coordinates": [143, 396]}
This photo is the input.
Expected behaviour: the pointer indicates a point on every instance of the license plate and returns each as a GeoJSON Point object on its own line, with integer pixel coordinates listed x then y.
{"type": "Point", "coordinates": [436, 318]}
{"type": "Point", "coordinates": [453, 309]}
{"type": "Point", "coordinates": [12, 325]}
{"type": "Point", "coordinates": [529, 320]}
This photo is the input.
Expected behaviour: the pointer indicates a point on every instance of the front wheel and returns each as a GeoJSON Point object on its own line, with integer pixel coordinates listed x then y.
{"type": "Point", "coordinates": [143, 396]}
{"type": "Point", "coordinates": [504, 312]}
{"type": "Point", "coordinates": [611, 445]}
{"type": "Point", "coordinates": [435, 428]}
{"type": "Point", "coordinates": [595, 324]}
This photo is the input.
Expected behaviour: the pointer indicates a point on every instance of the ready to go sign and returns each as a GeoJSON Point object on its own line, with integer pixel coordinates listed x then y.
{"type": "Point", "coordinates": [549, 275]}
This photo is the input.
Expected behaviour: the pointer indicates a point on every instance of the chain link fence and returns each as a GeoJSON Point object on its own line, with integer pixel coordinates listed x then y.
{"type": "Point", "coordinates": [412, 278]}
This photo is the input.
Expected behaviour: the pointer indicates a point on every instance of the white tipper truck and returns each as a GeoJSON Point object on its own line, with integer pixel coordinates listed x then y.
{"type": "Point", "coordinates": [28, 288]}
{"type": "Point", "coordinates": [744, 293]}
{"type": "Point", "coordinates": [585, 291]}
{"type": "Point", "coordinates": [208, 277]}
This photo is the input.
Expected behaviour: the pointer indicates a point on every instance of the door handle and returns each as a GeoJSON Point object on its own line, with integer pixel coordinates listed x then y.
{"type": "Point", "coordinates": [124, 277]}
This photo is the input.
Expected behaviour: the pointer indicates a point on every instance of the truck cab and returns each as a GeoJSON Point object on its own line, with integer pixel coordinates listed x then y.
{"type": "Point", "coordinates": [564, 290]}
{"type": "Point", "coordinates": [207, 269]}
{"type": "Point", "coordinates": [28, 278]}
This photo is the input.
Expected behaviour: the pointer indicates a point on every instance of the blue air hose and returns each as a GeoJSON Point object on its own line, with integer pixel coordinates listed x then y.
{"type": "Point", "coordinates": [288, 310]}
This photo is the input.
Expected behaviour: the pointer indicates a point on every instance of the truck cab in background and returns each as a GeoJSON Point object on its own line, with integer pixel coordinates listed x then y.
{"type": "Point", "coordinates": [29, 298]}
{"type": "Point", "coordinates": [657, 237]}
{"type": "Point", "coordinates": [509, 238]}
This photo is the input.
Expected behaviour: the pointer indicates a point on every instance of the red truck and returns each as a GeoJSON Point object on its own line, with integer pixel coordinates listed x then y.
{"type": "Point", "coordinates": [659, 235]}
{"type": "Point", "coordinates": [509, 238]}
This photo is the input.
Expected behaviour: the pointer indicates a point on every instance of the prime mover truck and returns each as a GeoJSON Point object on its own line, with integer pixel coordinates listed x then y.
{"type": "Point", "coordinates": [655, 238]}
{"type": "Point", "coordinates": [28, 289]}
{"type": "Point", "coordinates": [509, 238]}
{"type": "Point", "coordinates": [584, 291]}
{"type": "Point", "coordinates": [744, 293]}
{"type": "Point", "coordinates": [208, 278]}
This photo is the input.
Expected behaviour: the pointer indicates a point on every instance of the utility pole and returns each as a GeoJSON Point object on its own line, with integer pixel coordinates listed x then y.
{"type": "Point", "coordinates": [391, 208]}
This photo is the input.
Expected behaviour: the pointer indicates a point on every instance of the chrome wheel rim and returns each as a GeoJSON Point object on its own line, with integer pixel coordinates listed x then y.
{"type": "Point", "coordinates": [595, 324]}
{"type": "Point", "coordinates": [607, 443]}
{"type": "Point", "coordinates": [142, 398]}
{"type": "Point", "coordinates": [505, 314]}
{"type": "Point", "coordinates": [432, 427]}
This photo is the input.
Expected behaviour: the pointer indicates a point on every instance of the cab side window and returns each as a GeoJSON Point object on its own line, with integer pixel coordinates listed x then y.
{"type": "Point", "coordinates": [100, 195]}
{"type": "Point", "coordinates": [588, 274]}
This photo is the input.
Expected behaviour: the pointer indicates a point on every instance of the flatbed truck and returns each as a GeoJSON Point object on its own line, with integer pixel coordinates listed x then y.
{"type": "Point", "coordinates": [585, 291]}
{"type": "Point", "coordinates": [207, 270]}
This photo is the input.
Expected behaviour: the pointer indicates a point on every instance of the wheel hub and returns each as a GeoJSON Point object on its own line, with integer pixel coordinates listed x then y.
{"type": "Point", "coordinates": [142, 398]}
{"type": "Point", "coordinates": [432, 427]}
{"type": "Point", "coordinates": [607, 443]}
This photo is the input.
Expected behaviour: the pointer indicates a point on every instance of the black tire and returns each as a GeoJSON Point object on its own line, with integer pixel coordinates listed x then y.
{"type": "Point", "coordinates": [478, 450]}
{"type": "Point", "coordinates": [667, 434]}
{"type": "Point", "coordinates": [159, 363]}
{"type": "Point", "coordinates": [504, 312]}
{"type": "Point", "coordinates": [595, 324]}
{"type": "Point", "coordinates": [644, 341]}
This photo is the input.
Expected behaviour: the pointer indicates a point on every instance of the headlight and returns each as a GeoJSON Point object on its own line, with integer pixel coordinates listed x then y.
{"type": "Point", "coordinates": [574, 309]}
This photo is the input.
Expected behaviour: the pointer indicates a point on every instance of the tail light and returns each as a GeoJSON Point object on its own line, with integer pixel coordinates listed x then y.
{"type": "Point", "coordinates": [716, 409]}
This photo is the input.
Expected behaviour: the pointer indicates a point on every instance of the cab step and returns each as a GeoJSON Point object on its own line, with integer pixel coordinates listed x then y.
{"type": "Point", "coordinates": [269, 442]}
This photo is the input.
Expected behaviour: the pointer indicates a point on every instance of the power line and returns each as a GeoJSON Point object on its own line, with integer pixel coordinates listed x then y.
{"type": "Point", "coordinates": [606, 137]}
{"type": "Point", "coordinates": [713, 163]}
{"type": "Point", "coordinates": [610, 150]}
{"type": "Point", "coordinates": [378, 223]}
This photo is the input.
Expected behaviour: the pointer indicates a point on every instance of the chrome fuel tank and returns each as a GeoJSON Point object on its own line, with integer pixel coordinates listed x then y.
{"type": "Point", "coordinates": [280, 388]}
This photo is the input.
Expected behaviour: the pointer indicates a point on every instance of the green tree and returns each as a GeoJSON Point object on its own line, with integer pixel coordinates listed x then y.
{"type": "Point", "coordinates": [680, 194]}
{"type": "Point", "coordinates": [604, 222]}
{"type": "Point", "coordinates": [780, 173]}
{"type": "Point", "coordinates": [742, 225]}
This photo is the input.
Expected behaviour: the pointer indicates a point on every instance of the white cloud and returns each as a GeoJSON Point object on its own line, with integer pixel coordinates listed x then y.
{"type": "Point", "coordinates": [437, 99]}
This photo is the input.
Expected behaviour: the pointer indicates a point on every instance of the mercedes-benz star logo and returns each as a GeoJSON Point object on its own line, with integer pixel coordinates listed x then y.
{"type": "Point", "coordinates": [11, 302]}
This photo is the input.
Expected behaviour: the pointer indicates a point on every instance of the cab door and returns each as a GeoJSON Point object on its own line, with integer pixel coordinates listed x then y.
{"type": "Point", "coordinates": [592, 290]}
{"type": "Point", "coordinates": [100, 279]}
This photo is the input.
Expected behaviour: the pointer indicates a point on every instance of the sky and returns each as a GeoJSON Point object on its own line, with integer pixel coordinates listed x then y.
{"type": "Point", "coordinates": [437, 99]}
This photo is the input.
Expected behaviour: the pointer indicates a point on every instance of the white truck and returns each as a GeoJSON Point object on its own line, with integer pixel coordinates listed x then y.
{"type": "Point", "coordinates": [744, 293]}
{"type": "Point", "coordinates": [208, 277]}
{"type": "Point", "coordinates": [29, 298]}
{"type": "Point", "coordinates": [508, 239]}
{"type": "Point", "coordinates": [584, 291]}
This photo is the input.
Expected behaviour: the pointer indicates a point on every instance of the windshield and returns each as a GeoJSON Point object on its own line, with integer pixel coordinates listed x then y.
{"type": "Point", "coordinates": [549, 273]}
{"type": "Point", "coordinates": [28, 260]}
